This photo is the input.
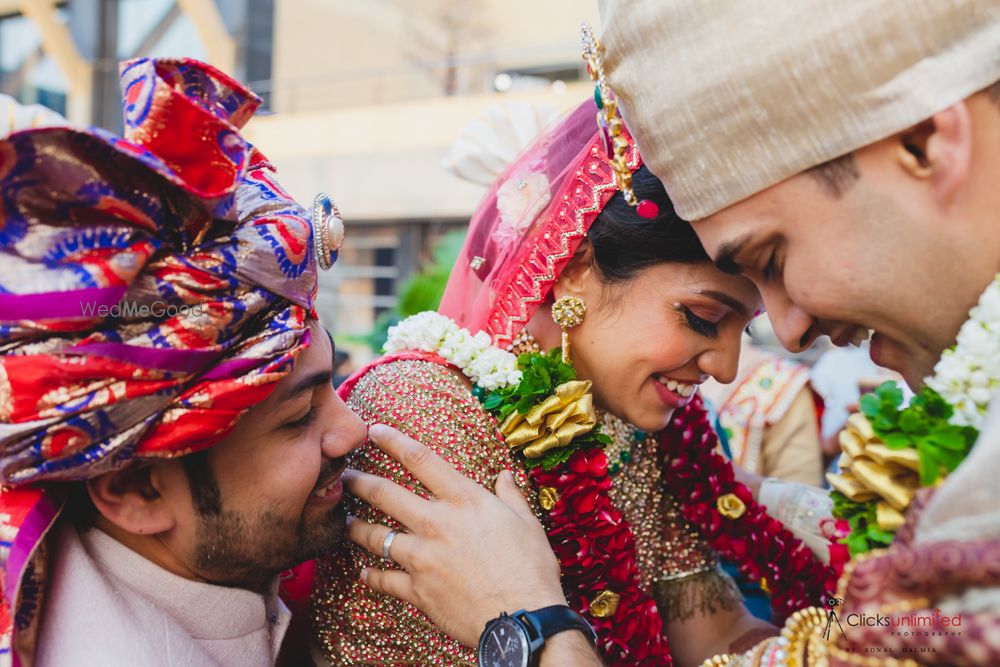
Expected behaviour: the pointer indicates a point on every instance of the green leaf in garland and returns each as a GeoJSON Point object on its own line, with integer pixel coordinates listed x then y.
{"type": "Point", "coordinates": [889, 415]}
{"type": "Point", "coordinates": [950, 437]}
{"type": "Point", "coordinates": [842, 507]}
{"type": "Point", "coordinates": [890, 393]}
{"type": "Point", "coordinates": [564, 374]}
{"type": "Point", "coordinates": [879, 536]}
{"type": "Point", "coordinates": [870, 406]}
{"type": "Point", "coordinates": [897, 440]}
{"type": "Point", "coordinates": [933, 404]}
{"type": "Point", "coordinates": [948, 458]}
{"type": "Point", "coordinates": [882, 425]}
{"type": "Point", "coordinates": [861, 517]}
{"type": "Point", "coordinates": [593, 439]}
{"type": "Point", "coordinates": [856, 544]}
{"type": "Point", "coordinates": [493, 401]}
{"type": "Point", "coordinates": [929, 469]}
{"type": "Point", "coordinates": [546, 378]}
{"type": "Point", "coordinates": [552, 458]}
{"type": "Point", "coordinates": [913, 422]}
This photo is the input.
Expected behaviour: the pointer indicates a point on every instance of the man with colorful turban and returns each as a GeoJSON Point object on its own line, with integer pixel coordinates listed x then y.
{"type": "Point", "coordinates": [170, 439]}
{"type": "Point", "coordinates": [154, 289]}
{"type": "Point", "coordinates": [844, 156]}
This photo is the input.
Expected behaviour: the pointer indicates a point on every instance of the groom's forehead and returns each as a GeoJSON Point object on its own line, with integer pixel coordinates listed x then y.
{"type": "Point", "coordinates": [729, 233]}
{"type": "Point", "coordinates": [789, 208]}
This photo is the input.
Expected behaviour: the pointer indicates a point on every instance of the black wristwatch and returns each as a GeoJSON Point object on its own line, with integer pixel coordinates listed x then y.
{"type": "Point", "coordinates": [516, 640]}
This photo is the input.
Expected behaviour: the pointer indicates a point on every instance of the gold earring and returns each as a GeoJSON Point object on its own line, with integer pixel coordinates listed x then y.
{"type": "Point", "coordinates": [568, 312]}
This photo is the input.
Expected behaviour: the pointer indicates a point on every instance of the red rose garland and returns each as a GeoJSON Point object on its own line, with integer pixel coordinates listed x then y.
{"type": "Point", "coordinates": [761, 547]}
{"type": "Point", "coordinates": [597, 553]}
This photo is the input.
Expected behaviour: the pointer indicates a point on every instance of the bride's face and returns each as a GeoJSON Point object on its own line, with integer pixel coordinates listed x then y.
{"type": "Point", "coordinates": [647, 343]}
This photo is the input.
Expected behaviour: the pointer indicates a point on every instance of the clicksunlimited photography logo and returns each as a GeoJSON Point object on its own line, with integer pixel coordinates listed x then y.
{"type": "Point", "coordinates": [925, 619]}
{"type": "Point", "coordinates": [126, 309]}
{"type": "Point", "coordinates": [911, 630]}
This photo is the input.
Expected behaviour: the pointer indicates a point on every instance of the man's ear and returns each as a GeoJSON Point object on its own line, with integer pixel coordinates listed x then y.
{"type": "Point", "coordinates": [578, 276]}
{"type": "Point", "coordinates": [132, 499]}
{"type": "Point", "coordinates": [940, 149]}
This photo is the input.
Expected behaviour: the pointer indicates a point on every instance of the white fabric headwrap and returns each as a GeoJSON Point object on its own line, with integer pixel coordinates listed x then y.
{"type": "Point", "coordinates": [726, 98]}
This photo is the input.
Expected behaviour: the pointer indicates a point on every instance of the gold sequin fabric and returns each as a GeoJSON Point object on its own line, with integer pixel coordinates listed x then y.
{"type": "Point", "coordinates": [352, 624]}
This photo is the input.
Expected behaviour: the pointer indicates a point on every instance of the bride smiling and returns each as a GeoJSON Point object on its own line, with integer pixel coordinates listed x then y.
{"type": "Point", "coordinates": [613, 448]}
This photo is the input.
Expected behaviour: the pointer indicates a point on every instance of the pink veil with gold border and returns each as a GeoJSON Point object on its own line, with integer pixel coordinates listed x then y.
{"type": "Point", "coordinates": [530, 223]}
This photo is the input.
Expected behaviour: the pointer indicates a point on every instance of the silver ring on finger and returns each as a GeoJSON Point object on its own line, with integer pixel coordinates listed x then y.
{"type": "Point", "coordinates": [387, 545]}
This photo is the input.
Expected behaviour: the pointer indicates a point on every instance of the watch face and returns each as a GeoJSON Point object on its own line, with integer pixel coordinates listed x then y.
{"type": "Point", "coordinates": [504, 644]}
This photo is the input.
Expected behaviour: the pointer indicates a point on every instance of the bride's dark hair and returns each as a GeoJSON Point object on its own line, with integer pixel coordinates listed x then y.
{"type": "Point", "coordinates": [624, 243]}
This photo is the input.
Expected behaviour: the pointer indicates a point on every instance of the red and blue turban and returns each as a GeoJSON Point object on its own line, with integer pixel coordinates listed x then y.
{"type": "Point", "coordinates": [152, 290]}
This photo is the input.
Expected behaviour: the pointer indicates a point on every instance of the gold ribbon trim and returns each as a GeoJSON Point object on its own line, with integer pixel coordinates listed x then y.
{"type": "Point", "coordinates": [566, 414]}
{"type": "Point", "coordinates": [873, 471]}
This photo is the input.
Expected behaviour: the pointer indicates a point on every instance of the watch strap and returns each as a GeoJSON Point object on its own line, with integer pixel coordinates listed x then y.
{"type": "Point", "coordinates": [549, 621]}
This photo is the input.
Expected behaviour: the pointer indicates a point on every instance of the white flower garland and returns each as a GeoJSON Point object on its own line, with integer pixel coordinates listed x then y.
{"type": "Point", "coordinates": [968, 375]}
{"type": "Point", "coordinates": [485, 364]}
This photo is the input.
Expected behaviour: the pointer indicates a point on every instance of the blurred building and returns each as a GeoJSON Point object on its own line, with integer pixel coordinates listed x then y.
{"type": "Point", "coordinates": [363, 99]}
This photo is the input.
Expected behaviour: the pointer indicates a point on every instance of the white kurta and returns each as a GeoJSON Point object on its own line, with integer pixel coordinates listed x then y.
{"type": "Point", "coordinates": [109, 606]}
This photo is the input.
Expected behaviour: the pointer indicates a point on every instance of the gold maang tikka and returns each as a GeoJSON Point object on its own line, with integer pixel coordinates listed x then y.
{"type": "Point", "coordinates": [609, 120]}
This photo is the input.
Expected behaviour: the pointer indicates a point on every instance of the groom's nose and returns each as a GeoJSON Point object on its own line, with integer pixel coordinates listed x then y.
{"type": "Point", "coordinates": [345, 430]}
{"type": "Point", "coordinates": [793, 326]}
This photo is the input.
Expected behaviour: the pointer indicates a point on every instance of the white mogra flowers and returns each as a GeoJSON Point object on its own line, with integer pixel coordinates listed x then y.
{"type": "Point", "coordinates": [968, 375]}
{"type": "Point", "coordinates": [485, 364]}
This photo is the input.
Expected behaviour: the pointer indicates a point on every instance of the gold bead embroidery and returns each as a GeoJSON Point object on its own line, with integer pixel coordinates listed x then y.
{"type": "Point", "coordinates": [667, 546]}
{"type": "Point", "coordinates": [352, 624]}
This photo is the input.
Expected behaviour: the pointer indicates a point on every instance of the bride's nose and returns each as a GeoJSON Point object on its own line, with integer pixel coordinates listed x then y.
{"type": "Point", "coordinates": [721, 361]}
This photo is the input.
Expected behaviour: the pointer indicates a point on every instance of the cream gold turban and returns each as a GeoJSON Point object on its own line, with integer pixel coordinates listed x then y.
{"type": "Point", "coordinates": [728, 97]}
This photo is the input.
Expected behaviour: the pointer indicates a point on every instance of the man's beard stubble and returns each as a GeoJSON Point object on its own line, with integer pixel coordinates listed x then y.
{"type": "Point", "coordinates": [251, 551]}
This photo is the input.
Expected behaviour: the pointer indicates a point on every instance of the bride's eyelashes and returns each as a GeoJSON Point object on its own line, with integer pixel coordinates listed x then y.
{"type": "Point", "coordinates": [699, 324]}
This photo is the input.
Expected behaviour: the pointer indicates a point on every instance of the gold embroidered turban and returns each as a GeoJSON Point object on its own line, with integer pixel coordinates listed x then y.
{"type": "Point", "coordinates": [728, 97]}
